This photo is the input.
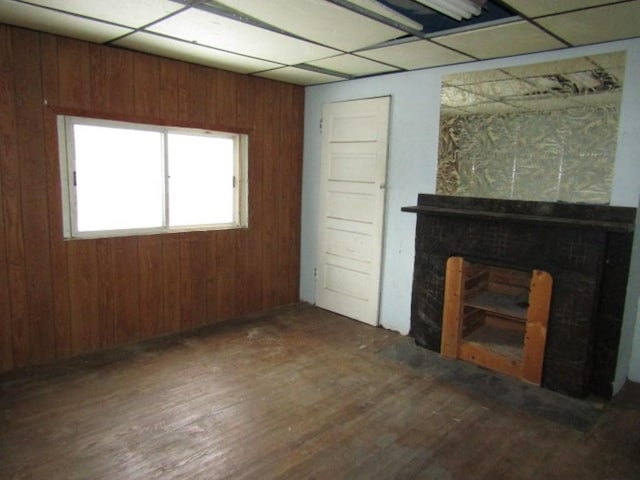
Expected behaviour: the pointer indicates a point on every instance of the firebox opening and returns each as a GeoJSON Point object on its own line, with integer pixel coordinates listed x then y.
{"type": "Point", "coordinates": [496, 317]}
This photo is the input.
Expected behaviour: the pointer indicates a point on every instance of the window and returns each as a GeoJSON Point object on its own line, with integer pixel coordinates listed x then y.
{"type": "Point", "coordinates": [126, 178]}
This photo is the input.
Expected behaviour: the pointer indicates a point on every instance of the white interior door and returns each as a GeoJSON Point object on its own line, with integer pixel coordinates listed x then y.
{"type": "Point", "coordinates": [354, 161]}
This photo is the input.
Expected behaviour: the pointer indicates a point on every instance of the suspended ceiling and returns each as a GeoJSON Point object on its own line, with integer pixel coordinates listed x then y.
{"type": "Point", "coordinates": [310, 42]}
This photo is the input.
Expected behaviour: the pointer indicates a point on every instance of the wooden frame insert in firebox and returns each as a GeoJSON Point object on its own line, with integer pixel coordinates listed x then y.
{"type": "Point", "coordinates": [496, 317]}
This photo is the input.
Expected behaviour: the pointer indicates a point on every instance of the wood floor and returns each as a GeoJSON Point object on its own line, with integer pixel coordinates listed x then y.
{"type": "Point", "coordinates": [297, 393]}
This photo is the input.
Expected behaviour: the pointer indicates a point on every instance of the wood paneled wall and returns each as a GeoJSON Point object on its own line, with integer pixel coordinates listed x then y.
{"type": "Point", "coordinates": [63, 297]}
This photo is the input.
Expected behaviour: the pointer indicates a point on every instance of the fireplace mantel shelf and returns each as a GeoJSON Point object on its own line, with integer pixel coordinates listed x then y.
{"type": "Point", "coordinates": [518, 217]}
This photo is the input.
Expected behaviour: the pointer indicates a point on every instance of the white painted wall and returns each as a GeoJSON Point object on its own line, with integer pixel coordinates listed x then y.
{"type": "Point", "coordinates": [626, 191]}
{"type": "Point", "coordinates": [413, 150]}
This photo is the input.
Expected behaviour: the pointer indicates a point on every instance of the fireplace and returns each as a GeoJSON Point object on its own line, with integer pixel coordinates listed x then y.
{"type": "Point", "coordinates": [496, 317]}
{"type": "Point", "coordinates": [585, 250]}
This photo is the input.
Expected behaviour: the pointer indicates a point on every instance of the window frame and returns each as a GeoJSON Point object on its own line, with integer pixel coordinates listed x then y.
{"type": "Point", "coordinates": [67, 162]}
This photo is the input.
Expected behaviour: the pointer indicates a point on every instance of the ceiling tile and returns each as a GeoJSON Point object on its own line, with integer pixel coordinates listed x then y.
{"type": "Point", "coordinates": [299, 76]}
{"type": "Point", "coordinates": [38, 18]}
{"type": "Point", "coordinates": [374, 6]}
{"type": "Point", "coordinates": [189, 52]}
{"type": "Point", "coordinates": [206, 28]}
{"type": "Point", "coordinates": [501, 41]}
{"type": "Point", "coordinates": [352, 65]}
{"type": "Point", "coordinates": [132, 13]}
{"type": "Point", "coordinates": [602, 24]}
{"type": "Point", "coordinates": [547, 7]}
{"type": "Point", "coordinates": [412, 55]}
{"type": "Point", "coordinates": [320, 21]}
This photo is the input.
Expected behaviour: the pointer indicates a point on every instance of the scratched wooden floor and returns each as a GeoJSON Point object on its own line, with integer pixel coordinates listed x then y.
{"type": "Point", "coordinates": [298, 393]}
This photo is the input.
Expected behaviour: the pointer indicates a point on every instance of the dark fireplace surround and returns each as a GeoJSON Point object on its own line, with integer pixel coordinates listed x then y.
{"type": "Point", "coordinates": [586, 249]}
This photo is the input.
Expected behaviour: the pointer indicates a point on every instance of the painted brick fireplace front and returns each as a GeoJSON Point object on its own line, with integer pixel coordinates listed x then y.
{"type": "Point", "coordinates": [586, 248]}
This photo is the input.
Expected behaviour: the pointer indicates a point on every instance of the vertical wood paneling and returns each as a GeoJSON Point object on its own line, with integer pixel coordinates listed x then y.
{"type": "Point", "coordinates": [70, 296]}
{"type": "Point", "coordinates": [199, 273]}
{"type": "Point", "coordinates": [126, 265]}
{"type": "Point", "coordinates": [169, 88]}
{"type": "Point", "coordinates": [225, 99]}
{"type": "Point", "coordinates": [246, 90]}
{"type": "Point", "coordinates": [168, 103]}
{"type": "Point", "coordinates": [244, 294]}
{"type": "Point", "coordinates": [228, 283]}
{"type": "Point", "coordinates": [10, 168]}
{"type": "Point", "coordinates": [73, 73]}
{"type": "Point", "coordinates": [246, 94]}
{"type": "Point", "coordinates": [286, 237]}
{"type": "Point", "coordinates": [7, 150]}
{"type": "Point", "coordinates": [35, 220]}
{"type": "Point", "coordinates": [183, 95]}
{"type": "Point", "coordinates": [98, 79]}
{"type": "Point", "coordinates": [146, 89]}
{"type": "Point", "coordinates": [6, 344]}
{"type": "Point", "coordinates": [147, 103]}
{"type": "Point", "coordinates": [6, 50]}
{"type": "Point", "coordinates": [151, 286]}
{"type": "Point", "coordinates": [120, 85]}
{"type": "Point", "coordinates": [112, 81]}
{"type": "Point", "coordinates": [75, 91]}
{"type": "Point", "coordinates": [6, 347]}
{"type": "Point", "coordinates": [58, 252]}
{"type": "Point", "coordinates": [171, 283]}
{"type": "Point", "coordinates": [193, 281]}
{"type": "Point", "coordinates": [19, 311]}
{"type": "Point", "coordinates": [83, 294]}
{"type": "Point", "coordinates": [289, 226]}
{"type": "Point", "coordinates": [212, 278]}
{"type": "Point", "coordinates": [271, 204]}
{"type": "Point", "coordinates": [118, 286]}
{"type": "Point", "coordinates": [197, 101]}
{"type": "Point", "coordinates": [187, 282]}
{"type": "Point", "coordinates": [212, 91]}
{"type": "Point", "coordinates": [281, 175]}
{"type": "Point", "coordinates": [108, 278]}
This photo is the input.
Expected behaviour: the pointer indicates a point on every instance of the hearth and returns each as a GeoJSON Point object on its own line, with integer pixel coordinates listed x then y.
{"type": "Point", "coordinates": [585, 250]}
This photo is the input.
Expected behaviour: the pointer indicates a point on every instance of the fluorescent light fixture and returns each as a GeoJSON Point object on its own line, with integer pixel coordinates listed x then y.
{"type": "Point", "coordinates": [384, 11]}
{"type": "Point", "coordinates": [457, 9]}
